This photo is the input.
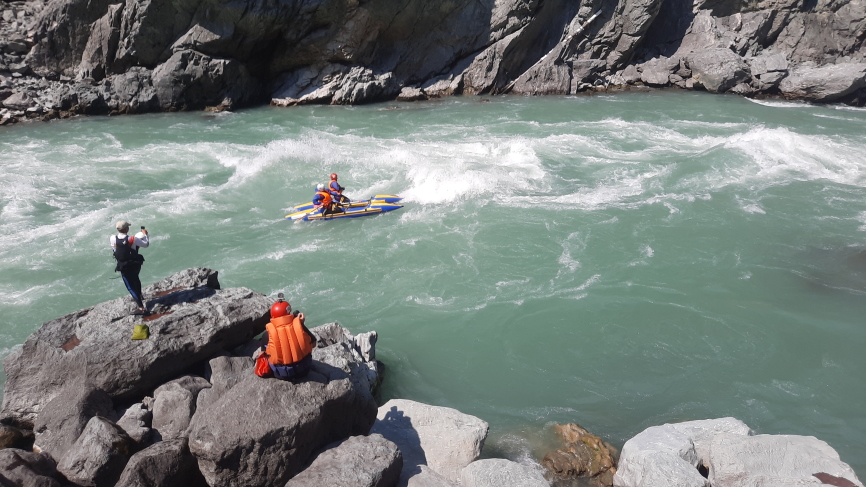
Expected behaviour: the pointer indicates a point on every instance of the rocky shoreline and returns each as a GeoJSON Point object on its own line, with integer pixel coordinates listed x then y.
{"type": "Point", "coordinates": [86, 405]}
{"type": "Point", "coordinates": [59, 58]}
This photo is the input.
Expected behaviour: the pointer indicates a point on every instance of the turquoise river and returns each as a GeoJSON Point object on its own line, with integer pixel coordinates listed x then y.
{"type": "Point", "coordinates": [619, 261]}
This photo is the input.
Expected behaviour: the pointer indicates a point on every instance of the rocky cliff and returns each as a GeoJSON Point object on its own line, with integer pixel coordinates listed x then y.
{"type": "Point", "coordinates": [100, 56]}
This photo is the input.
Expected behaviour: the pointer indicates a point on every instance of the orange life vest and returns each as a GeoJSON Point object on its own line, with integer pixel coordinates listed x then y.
{"type": "Point", "coordinates": [326, 198]}
{"type": "Point", "coordinates": [287, 341]}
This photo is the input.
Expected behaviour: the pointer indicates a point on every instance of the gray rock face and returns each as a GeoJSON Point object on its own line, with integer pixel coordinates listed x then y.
{"type": "Point", "coordinates": [495, 472]}
{"type": "Point", "coordinates": [443, 439]}
{"type": "Point", "coordinates": [360, 461]}
{"type": "Point", "coordinates": [254, 431]}
{"type": "Point", "coordinates": [174, 405]}
{"type": "Point", "coordinates": [65, 417]}
{"type": "Point", "coordinates": [740, 461]}
{"type": "Point", "coordinates": [98, 456]}
{"type": "Point", "coordinates": [189, 324]}
{"type": "Point", "coordinates": [24, 468]}
{"type": "Point", "coordinates": [824, 83]}
{"type": "Point", "coordinates": [147, 55]}
{"type": "Point", "coordinates": [164, 464]}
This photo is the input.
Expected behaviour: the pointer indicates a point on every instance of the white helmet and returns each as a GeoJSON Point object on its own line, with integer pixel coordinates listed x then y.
{"type": "Point", "coordinates": [320, 187]}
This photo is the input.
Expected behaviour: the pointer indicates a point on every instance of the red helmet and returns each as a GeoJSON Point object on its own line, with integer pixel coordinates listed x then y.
{"type": "Point", "coordinates": [333, 176]}
{"type": "Point", "coordinates": [280, 308]}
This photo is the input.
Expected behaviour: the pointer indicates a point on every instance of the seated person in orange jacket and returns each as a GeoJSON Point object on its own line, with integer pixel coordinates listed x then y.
{"type": "Point", "coordinates": [290, 343]}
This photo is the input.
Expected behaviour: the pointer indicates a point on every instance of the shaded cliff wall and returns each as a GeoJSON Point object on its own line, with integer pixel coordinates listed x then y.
{"type": "Point", "coordinates": [95, 56]}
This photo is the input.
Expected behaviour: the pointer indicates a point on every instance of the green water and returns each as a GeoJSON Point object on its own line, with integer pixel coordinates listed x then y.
{"type": "Point", "coordinates": [616, 261]}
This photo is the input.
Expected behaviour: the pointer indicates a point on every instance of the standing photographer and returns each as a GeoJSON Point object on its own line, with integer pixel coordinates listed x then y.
{"type": "Point", "coordinates": [129, 261]}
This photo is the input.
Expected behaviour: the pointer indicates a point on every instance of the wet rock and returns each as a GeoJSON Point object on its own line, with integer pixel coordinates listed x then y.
{"type": "Point", "coordinates": [584, 455]}
{"type": "Point", "coordinates": [174, 405]}
{"type": "Point", "coordinates": [64, 417]}
{"type": "Point", "coordinates": [164, 464]}
{"type": "Point", "coordinates": [495, 472]}
{"type": "Point", "coordinates": [718, 70]}
{"type": "Point", "coordinates": [98, 456]}
{"type": "Point", "coordinates": [737, 460]}
{"type": "Point", "coordinates": [411, 94]}
{"type": "Point", "coordinates": [188, 324]}
{"type": "Point", "coordinates": [24, 468]}
{"type": "Point", "coordinates": [824, 83]}
{"type": "Point", "coordinates": [442, 439]}
{"type": "Point", "coordinates": [360, 461]}
{"type": "Point", "coordinates": [657, 71]}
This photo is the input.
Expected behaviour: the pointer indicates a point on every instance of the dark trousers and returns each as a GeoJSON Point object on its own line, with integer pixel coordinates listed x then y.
{"type": "Point", "coordinates": [293, 371]}
{"type": "Point", "coordinates": [133, 283]}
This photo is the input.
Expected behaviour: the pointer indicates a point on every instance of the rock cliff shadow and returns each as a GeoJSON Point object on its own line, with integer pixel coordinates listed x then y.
{"type": "Point", "coordinates": [665, 34]}
{"type": "Point", "coordinates": [397, 427]}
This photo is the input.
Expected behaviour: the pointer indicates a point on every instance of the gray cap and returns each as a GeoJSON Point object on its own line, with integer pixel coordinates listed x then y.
{"type": "Point", "coordinates": [122, 226]}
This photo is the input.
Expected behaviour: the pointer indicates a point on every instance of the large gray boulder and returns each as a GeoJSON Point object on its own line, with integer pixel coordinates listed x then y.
{"type": "Point", "coordinates": [224, 373]}
{"type": "Point", "coordinates": [765, 460]}
{"type": "Point", "coordinates": [190, 79]}
{"type": "Point", "coordinates": [164, 464]}
{"type": "Point", "coordinates": [64, 418]}
{"type": "Point", "coordinates": [24, 468]}
{"type": "Point", "coordinates": [360, 461]}
{"type": "Point", "coordinates": [254, 431]}
{"type": "Point", "coordinates": [670, 454]}
{"type": "Point", "coordinates": [98, 456]}
{"type": "Point", "coordinates": [443, 439]}
{"type": "Point", "coordinates": [136, 421]}
{"type": "Point", "coordinates": [190, 323]}
{"type": "Point", "coordinates": [174, 404]}
{"type": "Point", "coordinates": [718, 70]}
{"type": "Point", "coordinates": [824, 83]}
{"type": "Point", "coordinates": [496, 472]}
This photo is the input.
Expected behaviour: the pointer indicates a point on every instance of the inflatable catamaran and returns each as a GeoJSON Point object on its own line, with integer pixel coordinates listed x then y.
{"type": "Point", "coordinates": [381, 203]}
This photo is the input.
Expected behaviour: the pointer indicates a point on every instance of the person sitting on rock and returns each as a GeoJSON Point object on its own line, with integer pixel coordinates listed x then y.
{"type": "Point", "coordinates": [290, 342]}
{"type": "Point", "coordinates": [336, 190]}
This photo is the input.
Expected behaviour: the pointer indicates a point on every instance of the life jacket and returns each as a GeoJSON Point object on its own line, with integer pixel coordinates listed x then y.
{"type": "Point", "coordinates": [287, 341]}
{"type": "Point", "coordinates": [336, 188]}
{"type": "Point", "coordinates": [123, 251]}
{"type": "Point", "coordinates": [326, 198]}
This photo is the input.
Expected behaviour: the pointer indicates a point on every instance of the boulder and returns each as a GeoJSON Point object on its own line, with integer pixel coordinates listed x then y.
{"type": "Point", "coordinates": [496, 472]}
{"type": "Point", "coordinates": [360, 461]}
{"type": "Point", "coordinates": [824, 83]}
{"type": "Point", "coordinates": [443, 439]}
{"type": "Point", "coordinates": [584, 455]}
{"type": "Point", "coordinates": [190, 80]}
{"type": "Point", "coordinates": [740, 461]}
{"type": "Point", "coordinates": [19, 101]}
{"type": "Point", "coordinates": [164, 464]}
{"type": "Point", "coordinates": [98, 456]}
{"type": "Point", "coordinates": [670, 454]}
{"type": "Point", "coordinates": [718, 70]}
{"type": "Point", "coordinates": [136, 421]}
{"type": "Point", "coordinates": [657, 71]}
{"type": "Point", "coordinates": [189, 323]}
{"type": "Point", "coordinates": [262, 431]}
{"type": "Point", "coordinates": [354, 355]}
{"type": "Point", "coordinates": [24, 468]}
{"type": "Point", "coordinates": [174, 404]}
{"type": "Point", "coordinates": [63, 419]}
{"type": "Point", "coordinates": [224, 373]}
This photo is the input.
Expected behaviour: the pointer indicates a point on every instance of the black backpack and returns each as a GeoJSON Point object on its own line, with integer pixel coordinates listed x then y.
{"type": "Point", "coordinates": [125, 255]}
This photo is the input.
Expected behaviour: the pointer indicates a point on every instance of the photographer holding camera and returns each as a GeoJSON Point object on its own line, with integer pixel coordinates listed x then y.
{"type": "Point", "coordinates": [125, 249]}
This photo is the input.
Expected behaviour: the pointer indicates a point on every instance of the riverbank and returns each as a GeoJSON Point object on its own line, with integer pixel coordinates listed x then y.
{"type": "Point", "coordinates": [71, 57]}
{"type": "Point", "coordinates": [99, 408]}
